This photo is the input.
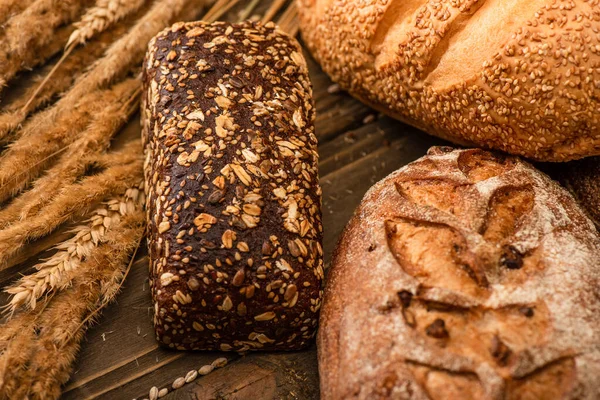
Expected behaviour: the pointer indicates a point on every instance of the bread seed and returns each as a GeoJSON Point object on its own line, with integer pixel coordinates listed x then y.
{"type": "Point", "coordinates": [228, 237]}
{"type": "Point", "coordinates": [290, 292]}
{"type": "Point", "coordinates": [164, 226]}
{"type": "Point", "coordinates": [153, 395]}
{"type": "Point", "coordinates": [163, 392]}
{"type": "Point", "coordinates": [269, 315]}
{"type": "Point", "coordinates": [239, 277]}
{"type": "Point", "coordinates": [206, 369]}
{"type": "Point", "coordinates": [227, 304]}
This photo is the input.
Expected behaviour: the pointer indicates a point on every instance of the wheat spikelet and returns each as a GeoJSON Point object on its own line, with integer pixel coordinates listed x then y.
{"type": "Point", "coordinates": [34, 30]}
{"type": "Point", "coordinates": [47, 343]}
{"type": "Point", "coordinates": [8, 8]}
{"type": "Point", "coordinates": [57, 272]}
{"type": "Point", "coordinates": [98, 18]}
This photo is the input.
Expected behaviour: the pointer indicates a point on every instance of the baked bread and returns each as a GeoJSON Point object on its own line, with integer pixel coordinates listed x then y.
{"type": "Point", "coordinates": [582, 178]}
{"type": "Point", "coordinates": [233, 195]}
{"type": "Point", "coordinates": [521, 76]}
{"type": "Point", "coordinates": [464, 275]}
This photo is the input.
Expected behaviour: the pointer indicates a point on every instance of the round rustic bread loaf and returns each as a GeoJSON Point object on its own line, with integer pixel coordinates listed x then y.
{"type": "Point", "coordinates": [521, 76]}
{"type": "Point", "coordinates": [464, 275]}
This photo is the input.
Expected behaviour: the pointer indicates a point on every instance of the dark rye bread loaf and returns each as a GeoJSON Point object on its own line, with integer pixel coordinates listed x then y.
{"type": "Point", "coordinates": [233, 194]}
{"type": "Point", "coordinates": [464, 275]}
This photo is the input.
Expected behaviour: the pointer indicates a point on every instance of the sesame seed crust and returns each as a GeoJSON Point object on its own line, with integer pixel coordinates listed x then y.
{"type": "Point", "coordinates": [518, 76]}
{"type": "Point", "coordinates": [234, 203]}
{"type": "Point", "coordinates": [478, 279]}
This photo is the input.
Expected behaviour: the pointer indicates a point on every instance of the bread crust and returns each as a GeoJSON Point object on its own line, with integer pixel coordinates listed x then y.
{"type": "Point", "coordinates": [464, 275]}
{"type": "Point", "coordinates": [522, 76]}
{"type": "Point", "coordinates": [234, 202]}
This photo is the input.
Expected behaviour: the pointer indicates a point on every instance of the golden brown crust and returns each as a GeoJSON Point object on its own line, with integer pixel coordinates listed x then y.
{"type": "Point", "coordinates": [233, 195]}
{"type": "Point", "coordinates": [466, 275]}
{"type": "Point", "coordinates": [514, 75]}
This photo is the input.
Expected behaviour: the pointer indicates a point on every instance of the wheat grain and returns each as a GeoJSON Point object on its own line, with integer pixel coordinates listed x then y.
{"type": "Point", "coordinates": [57, 272]}
{"type": "Point", "coordinates": [34, 31]}
{"type": "Point", "coordinates": [98, 18]}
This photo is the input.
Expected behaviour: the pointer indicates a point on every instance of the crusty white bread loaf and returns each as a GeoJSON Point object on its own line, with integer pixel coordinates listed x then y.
{"type": "Point", "coordinates": [521, 76]}
{"type": "Point", "coordinates": [464, 275]}
{"type": "Point", "coordinates": [234, 202]}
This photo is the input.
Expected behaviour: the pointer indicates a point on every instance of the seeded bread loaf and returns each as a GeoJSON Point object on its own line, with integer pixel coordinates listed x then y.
{"type": "Point", "coordinates": [521, 76]}
{"type": "Point", "coordinates": [464, 275]}
{"type": "Point", "coordinates": [233, 194]}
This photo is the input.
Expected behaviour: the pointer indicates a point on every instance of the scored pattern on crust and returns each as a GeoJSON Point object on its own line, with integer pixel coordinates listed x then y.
{"type": "Point", "coordinates": [463, 258]}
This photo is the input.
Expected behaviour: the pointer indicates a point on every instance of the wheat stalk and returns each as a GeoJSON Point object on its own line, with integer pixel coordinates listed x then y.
{"type": "Point", "coordinates": [288, 22]}
{"type": "Point", "coordinates": [34, 30]}
{"type": "Point", "coordinates": [57, 272]}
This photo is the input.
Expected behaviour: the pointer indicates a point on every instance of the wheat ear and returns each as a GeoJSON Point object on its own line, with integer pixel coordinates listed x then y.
{"type": "Point", "coordinates": [74, 201]}
{"type": "Point", "coordinates": [9, 8]}
{"type": "Point", "coordinates": [48, 342]}
{"type": "Point", "coordinates": [95, 21]}
{"type": "Point", "coordinates": [34, 30]}
{"type": "Point", "coordinates": [82, 157]}
{"type": "Point", "coordinates": [57, 272]}
{"type": "Point", "coordinates": [98, 18]}
{"type": "Point", "coordinates": [57, 78]}
{"type": "Point", "coordinates": [27, 157]}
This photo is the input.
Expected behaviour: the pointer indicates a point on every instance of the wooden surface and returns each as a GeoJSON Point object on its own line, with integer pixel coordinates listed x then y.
{"type": "Point", "coordinates": [120, 359]}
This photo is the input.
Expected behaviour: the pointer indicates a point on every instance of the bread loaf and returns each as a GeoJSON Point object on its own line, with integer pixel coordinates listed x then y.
{"type": "Point", "coordinates": [521, 76]}
{"type": "Point", "coordinates": [233, 194]}
{"type": "Point", "coordinates": [464, 275]}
